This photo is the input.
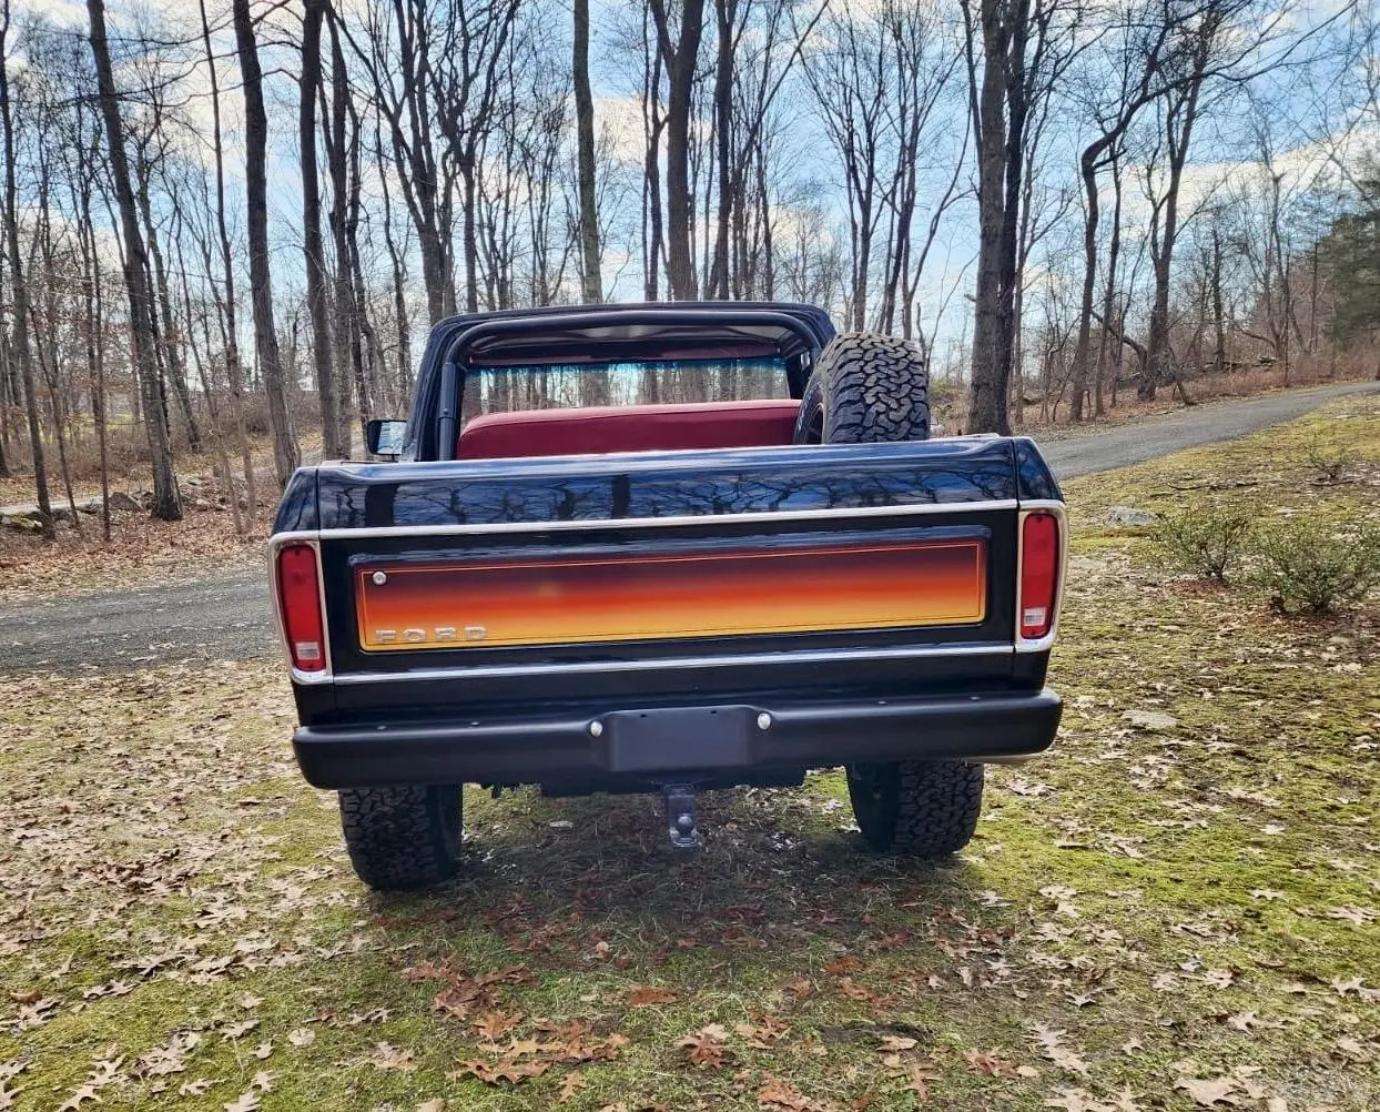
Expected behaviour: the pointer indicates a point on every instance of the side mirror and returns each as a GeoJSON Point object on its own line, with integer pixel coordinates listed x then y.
{"type": "Point", "coordinates": [385, 437]}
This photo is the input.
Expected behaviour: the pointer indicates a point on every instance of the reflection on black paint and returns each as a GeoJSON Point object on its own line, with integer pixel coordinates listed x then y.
{"type": "Point", "coordinates": [702, 483]}
{"type": "Point", "coordinates": [297, 510]}
{"type": "Point", "coordinates": [1033, 474]}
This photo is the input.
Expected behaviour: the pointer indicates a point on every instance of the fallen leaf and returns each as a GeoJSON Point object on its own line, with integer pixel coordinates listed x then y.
{"type": "Point", "coordinates": [571, 1085]}
{"type": "Point", "coordinates": [1243, 1021]}
{"type": "Point", "coordinates": [1053, 1048]}
{"type": "Point", "coordinates": [494, 1025]}
{"type": "Point", "coordinates": [386, 1056]}
{"type": "Point", "coordinates": [505, 1071]}
{"type": "Point", "coordinates": [705, 1048]}
{"type": "Point", "coordinates": [990, 1063]}
{"type": "Point", "coordinates": [776, 1093]}
{"type": "Point", "coordinates": [239, 1030]}
{"type": "Point", "coordinates": [1209, 1091]}
{"type": "Point", "coordinates": [644, 996]}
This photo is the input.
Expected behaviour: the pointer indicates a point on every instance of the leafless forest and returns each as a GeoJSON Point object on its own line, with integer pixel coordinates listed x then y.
{"type": "Point", "coordinates": [231, 224]}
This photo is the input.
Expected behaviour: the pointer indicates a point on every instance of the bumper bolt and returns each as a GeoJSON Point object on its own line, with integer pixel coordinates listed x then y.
{"type": "Point", "coordinates": [596, 729]}
{"type": "Point", "coordinates": [764, 721]}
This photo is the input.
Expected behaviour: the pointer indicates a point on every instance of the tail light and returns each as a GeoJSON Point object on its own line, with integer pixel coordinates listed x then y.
{"type": "Point", "coordinates": [299, 597]}
{"type": "Point", "coordinates": [1039, 574]}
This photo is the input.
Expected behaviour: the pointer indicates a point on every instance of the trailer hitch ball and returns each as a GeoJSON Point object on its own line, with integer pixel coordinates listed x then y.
{"type": "Point", "coordinates": [680, 816]}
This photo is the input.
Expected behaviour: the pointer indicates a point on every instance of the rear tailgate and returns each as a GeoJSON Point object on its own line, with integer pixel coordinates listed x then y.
{"type": "Point", "coordinates": [652, 577]}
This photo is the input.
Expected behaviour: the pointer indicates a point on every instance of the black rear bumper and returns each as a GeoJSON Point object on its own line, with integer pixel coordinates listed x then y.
{"type": "Point", "coordinates": [715, 741]}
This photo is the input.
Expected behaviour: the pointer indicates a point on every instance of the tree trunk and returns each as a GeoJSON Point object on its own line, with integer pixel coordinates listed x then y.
{"type": "Point", "coordinates": [725, 13]}
{"type": "Point", "coordinates": [94, 316]}
{"type": "Point", "coordinates": [285, 455]}
{"type": "Point", "coordinates": [590, 274]}
{"type": "Point", "coordinates": [234, 370]}
{"type": "Point", "coordinates": [167, 503]}
{"type": "Point", "coordinates": [992, 313]}
{"type": "Point", "coordinates": [166, 333]}
{"type": "Point", "coordinates": [403, 389]}
{"type": "Point", "coordinates": [1109, 295]}
{"type": "Point", "coordinates": [1082, 351]}
{"type": "Point", "coordinates": [680, 59]}
{"type": "Point", "coordinates": [469, 234]}
{"type": "Point", "coordinates": [1157, 352]}
{"type": "Point", "coordinates": [314, 13]}
{"type": "Point", "coordinates": [22, 349]}
{"type": "Point", "coordinates": [1219, 322]}
{"type": "Point", "coordinates": [343, 294]}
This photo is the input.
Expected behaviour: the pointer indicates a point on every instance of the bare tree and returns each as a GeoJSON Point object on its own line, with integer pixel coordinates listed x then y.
{"type": "Point", "coordinates": [226, 303]}
{"type": "Point", "coordinates": [592, 286]}
{"type": "Point", "coordinates": [167, 503]}
{"type": "Point", "coordinates": [20, 339]}
{"type": "Point", "coordinates": [850, 84]}
{"type": "Point", "coordinates": [347, 356]}
{"type": "Point", "coordinates": [313, 17]}
{"type": "Point", "coordinates": [1179, 108]}
{"type": "Point", "coordinates": [285, 454]}
{"type": "Point", "coordinates": [1136, 51]}
{"type": "Point", "coordinates": [1025, 46]}
{"type": "Point", "coordinates": [679, 55]}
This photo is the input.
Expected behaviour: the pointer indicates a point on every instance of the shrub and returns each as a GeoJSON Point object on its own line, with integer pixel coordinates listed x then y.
{"type": "Point", "coordinates": [1206, 540]}
{"type": "Point", "coordinates": [1309, 566]}
{"type": "Point", "coordinates": [1330, 463]}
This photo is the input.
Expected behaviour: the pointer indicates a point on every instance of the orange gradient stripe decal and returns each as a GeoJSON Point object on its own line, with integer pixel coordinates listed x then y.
{"type": "Point", "coordinates": [639, 597]}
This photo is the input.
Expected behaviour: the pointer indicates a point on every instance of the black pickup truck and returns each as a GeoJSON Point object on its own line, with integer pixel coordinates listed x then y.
{"type": "Point", "coordinates": [666, 548]}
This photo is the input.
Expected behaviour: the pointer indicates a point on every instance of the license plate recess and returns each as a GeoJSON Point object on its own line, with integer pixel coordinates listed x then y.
{"type": "Point", "coordinates": [679, 738]}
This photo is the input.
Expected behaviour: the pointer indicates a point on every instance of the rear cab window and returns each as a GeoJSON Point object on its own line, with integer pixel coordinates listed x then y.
{"type": "Point", "coordinates": [529, 386]}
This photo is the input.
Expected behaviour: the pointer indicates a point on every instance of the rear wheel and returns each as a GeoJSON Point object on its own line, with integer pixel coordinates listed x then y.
{"type": "Point", "coordinates": [919, 808]}
{"type": "Point", "coordinates": [404, 837]}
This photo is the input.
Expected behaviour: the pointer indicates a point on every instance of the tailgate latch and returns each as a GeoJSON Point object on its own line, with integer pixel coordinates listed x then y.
{"type": "Point", "coordinates": [680, 816]}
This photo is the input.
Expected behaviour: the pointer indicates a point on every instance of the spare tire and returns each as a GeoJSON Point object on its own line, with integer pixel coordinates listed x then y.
{"type": "Point", "coordinates": [867, 388]}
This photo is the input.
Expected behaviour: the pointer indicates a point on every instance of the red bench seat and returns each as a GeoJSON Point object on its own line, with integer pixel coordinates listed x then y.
{"type": "Point", "coordinates": [629, 428]}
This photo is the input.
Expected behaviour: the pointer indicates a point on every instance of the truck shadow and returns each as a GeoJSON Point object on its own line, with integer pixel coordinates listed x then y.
{"type": "Point", "coordinates": [594, 881]}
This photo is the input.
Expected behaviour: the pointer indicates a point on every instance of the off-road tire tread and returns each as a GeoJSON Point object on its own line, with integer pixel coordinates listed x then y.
{"type": "Point", "coordinates": [875, 388]}
{"type": "Point", "coordinates": [932, 808]}
{"type": "Point", "coordinates": [402, 837]}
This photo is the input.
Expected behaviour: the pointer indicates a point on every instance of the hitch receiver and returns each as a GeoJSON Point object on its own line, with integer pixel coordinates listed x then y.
{"type": "Point", "coordinates": [680, 816]}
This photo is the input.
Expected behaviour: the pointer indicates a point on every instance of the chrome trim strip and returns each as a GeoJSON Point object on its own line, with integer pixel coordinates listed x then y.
{"type": "Point", "coordinates": [1058, 509]}
{"type": "Point", "coordinates": [808, 656]}
{"type": "Point", "coordinates": [326, 675]}
{"type": "Point", "coordinates": [659, 522]}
